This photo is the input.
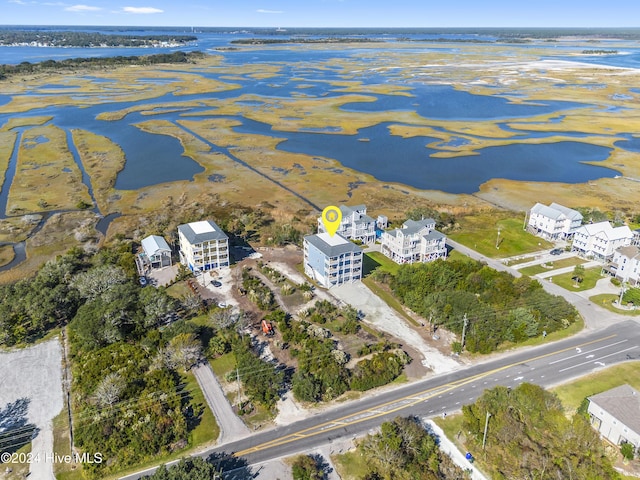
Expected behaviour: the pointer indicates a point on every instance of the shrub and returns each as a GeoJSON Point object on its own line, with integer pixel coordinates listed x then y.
{"type": "Point", "coordinates": [627, 450]}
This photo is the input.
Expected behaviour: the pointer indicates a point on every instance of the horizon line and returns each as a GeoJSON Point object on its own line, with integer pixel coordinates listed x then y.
{"type": "Point", "coordinates": [323, 27]}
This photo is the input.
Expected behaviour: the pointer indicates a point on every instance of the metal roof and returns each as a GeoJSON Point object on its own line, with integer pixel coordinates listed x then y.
{"type": "Point", "coordinates": [154, 245]}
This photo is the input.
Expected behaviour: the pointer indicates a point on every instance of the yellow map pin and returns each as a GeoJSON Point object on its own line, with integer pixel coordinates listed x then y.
{"type": "Point", "coordinates": [331, 218]}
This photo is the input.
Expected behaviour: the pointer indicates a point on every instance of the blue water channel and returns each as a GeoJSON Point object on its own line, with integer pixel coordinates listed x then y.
{"type": "Point", "coordinates": [155, 159]}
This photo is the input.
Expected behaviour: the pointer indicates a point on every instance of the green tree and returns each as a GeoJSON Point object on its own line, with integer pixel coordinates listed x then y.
{"type": "Point", "coordinates": [193, 468]}
{"type": "Point", "coordinates": [305, 467]}
{"type": "Point", "coordinates": [529, 436]}
{"type": "Point", "coordinates": [627, 450]}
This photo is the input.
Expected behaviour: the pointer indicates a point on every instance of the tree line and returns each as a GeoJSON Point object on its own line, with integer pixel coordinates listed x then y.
{"type": "Point", "coordinates": [7, 70]}
{"type": "Point", "coordinates": [88, 39]}
{"type": "Point", "coordinates": [491, 307]}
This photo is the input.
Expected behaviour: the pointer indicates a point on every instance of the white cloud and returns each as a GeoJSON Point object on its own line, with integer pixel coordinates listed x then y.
{"type": "Point", "coordinates": [82, 8]}
{"type": "Point", "coordinates": [261, 10]}
{"type": "Point", "coordinates": [141, 10]}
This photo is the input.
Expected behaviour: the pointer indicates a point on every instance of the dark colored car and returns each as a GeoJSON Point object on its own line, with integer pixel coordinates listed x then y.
{"type": "Point", "coordinates": [216, 283]}
{"type": "Point", "coordinates": [556, 251]}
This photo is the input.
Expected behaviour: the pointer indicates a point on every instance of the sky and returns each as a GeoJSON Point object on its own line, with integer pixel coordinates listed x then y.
{"type": "Point", "coordinates": [325, 13]}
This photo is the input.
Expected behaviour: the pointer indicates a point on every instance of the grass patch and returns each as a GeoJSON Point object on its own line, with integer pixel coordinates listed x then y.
{"type": "Point", "coordinates": [61, 446]}
{"type": "Point", "coordinates": [451, 426]}
{"type": "Point", "coordinates": [259, 417]}
{"type": "Point", "coordinates": [102, 159]}
{"type": "Point", "coordinates": [207, 430]}
{"type": "Point", "coordinates": [572, 394]}
{"type": "Point", "coordinates": [389, 299]}
{"type": "Point", "coordinates": [6, 254]}
{"type": "Point", "coordinates": [563, 263]}
{"type": "Point", "coordinates": [374, 260]}
{"type": "Point", "coordinates": [223, 364]}
{"type": "Point", "coordinates": [571, 330]}
{"type": "Point", "coordinates": [591, 276]}
{"type": "Point", "coordinates": [480, 232]}
{"type": "Point", "coordinates": [456, 255]}
{"type": "Point", "coordinates": [20, 469]}
{"type": "Point", "coordinates": [178, 290]}
{"type": "Point", "coordinates": [351, 465]}
{"type": "Point", "coordinates": [7, 141]}
{"type": "Point", "coordinates": [605, 300]}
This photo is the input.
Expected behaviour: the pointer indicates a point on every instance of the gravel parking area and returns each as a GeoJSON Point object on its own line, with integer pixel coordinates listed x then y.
{"type": "Point", "coordinates": [35, 374]}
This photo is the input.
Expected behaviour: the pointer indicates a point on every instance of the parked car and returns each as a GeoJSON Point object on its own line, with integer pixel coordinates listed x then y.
{"type": "Point", "coordinates": [556, 251]}
{"type": "Point", "coordinates": [143, 281]}
{"type": "Point", "coordinates": [216, 283]}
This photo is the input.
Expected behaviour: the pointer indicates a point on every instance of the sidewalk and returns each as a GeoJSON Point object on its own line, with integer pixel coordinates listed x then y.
{"type": "Point", "coordinates": [456, 455]}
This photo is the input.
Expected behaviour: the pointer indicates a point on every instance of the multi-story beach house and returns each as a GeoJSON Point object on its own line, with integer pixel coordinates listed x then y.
{"type": "Point", "coordinates": [155, 252]}
{"type": "Point", "coordinates": [355, 224]}
{"type": "Point", "coordinates": [332, 260]}
{"type": "Point", "coordinates": [203, 246]}
{"type": "Point", "coordinates": [553, 222]}
{"type": "Point", "coordinates": [615, 414]}
{"type": "Point", "coordinates": [600, 240]}
{"type": "Point", "coordinates": [416, 241]}
{"type": "Point", "coordinates": [626, 264]}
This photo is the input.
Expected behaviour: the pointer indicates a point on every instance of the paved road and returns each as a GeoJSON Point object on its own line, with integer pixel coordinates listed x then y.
{"type": "Point", "coordinates": [546, 365]}
{"type": "Point", "coordinates": [231, 427]}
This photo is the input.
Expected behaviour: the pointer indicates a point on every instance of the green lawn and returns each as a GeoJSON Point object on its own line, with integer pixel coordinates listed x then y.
{"type": "Point", "coordinates": [573, 393]}
{"type": "Point", "coordinates": [606, 300]}
{"type": "Point", "coordinates": [565, 262]}
{"type": "Point", "coordinates": [350, 465]}
{"type": "Point", "coordinates": [456, 255]}
{"type": "Point", "coordinates": [480, 232]}
{"type": "Point", "coordinates": [178, 289]}
{"type": "Point", "coordinates": [223, 364]}
{"type": "Point", "coordinates": [591, 276]}
{"type": "Point", "coordinates": [207, 430]}
{"type": "Point", "coordinates": [64, 471]}
{"type": "Point", "coordinates": [374, 260]}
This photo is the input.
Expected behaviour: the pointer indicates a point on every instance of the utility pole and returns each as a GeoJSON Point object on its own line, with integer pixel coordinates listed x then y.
{"type": "Point", "coordinates": [486, 425]}
{"type": "Point", "coordinates": [621, 294]}
{"type": "Point", "coordinates": [238, 380]}
{"type": "Point", "coordinates": [498, 239]}
{"type": "Point", "coordinates": [464, 328]}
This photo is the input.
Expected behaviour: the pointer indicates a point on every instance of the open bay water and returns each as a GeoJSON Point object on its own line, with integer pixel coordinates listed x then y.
{"type": "Point", "coordinates": [155, 159]}
{"type": "Point", "coordinates": [392, 158]}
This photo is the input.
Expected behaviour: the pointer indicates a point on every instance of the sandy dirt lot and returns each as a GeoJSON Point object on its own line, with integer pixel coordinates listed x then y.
{"type": "Point", "coordinates": [35, 375]}
{"type": "Point", "coordinates": [384, 318]}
